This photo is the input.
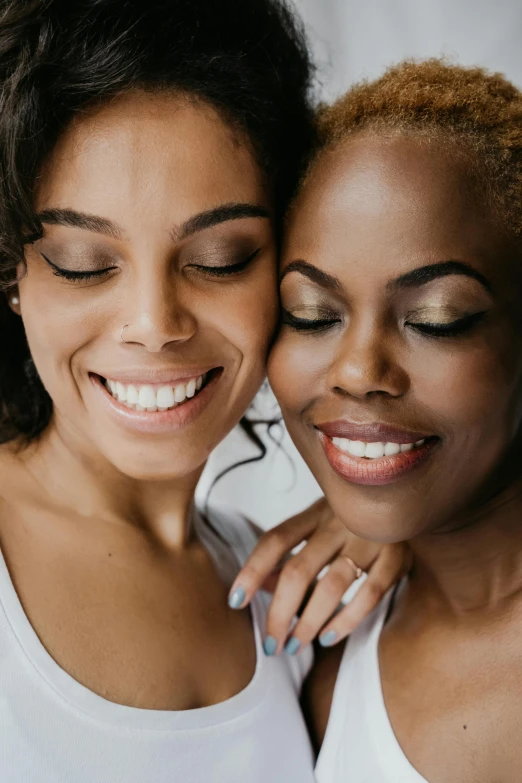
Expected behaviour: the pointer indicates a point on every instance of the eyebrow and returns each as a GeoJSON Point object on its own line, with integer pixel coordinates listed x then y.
{"type": "Point", "coordinates": [313, 273]}
{"type": "Point", "coordinates": [207, 219]}
{"type": "Point", "coordinates": [425, 274]}
{"type": "Point", "coordinates": [70, 217]}
{"type": "Point", "coordinates": [415, 278]}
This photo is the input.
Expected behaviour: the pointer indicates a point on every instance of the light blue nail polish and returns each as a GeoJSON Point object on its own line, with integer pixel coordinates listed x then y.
{"type": "Point", "coordinates": [292, 646]}
{"type": "Point", "coordinates": [327, 639]}
{"type": "Point", "coordinates": [235, 599]}
{"type": "Point", "coordinates": [270, 646]}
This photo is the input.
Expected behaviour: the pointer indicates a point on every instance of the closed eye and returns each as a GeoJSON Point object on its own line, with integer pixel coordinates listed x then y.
{"type": "Point", "coordinates": [308, 324]}
{"type": "Point", "coordinates": [76, 275]}
{"type": "Point", "coordinates": [229, 269]}
{"type": "Point", "coordinates": [452, 329]}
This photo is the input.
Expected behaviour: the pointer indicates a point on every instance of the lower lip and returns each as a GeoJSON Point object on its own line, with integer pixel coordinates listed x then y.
{"type": "Point", "coordinates": [157, 422]}
{"type": "Point", "coordinates": [375, 472]}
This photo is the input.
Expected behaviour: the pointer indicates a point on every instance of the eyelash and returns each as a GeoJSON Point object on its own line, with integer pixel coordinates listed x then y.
{"type": "Point", "coordinates": [454, 329]}
{"type": "Point", "coordinates": [69, 274]}
{"type": "Point", "coordinates": [218, 271]}
{"type": "Point", "coordinates": [308, 324]}
{"type": "Point", "coordinates": [231, 269]}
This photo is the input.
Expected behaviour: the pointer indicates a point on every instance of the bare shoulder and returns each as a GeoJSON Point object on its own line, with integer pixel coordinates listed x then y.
{"type": "Point", "coordinates": [318, 691]}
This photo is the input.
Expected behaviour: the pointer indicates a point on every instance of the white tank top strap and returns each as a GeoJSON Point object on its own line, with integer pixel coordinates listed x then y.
{"type": "Point", "coordinates": [360, 745]}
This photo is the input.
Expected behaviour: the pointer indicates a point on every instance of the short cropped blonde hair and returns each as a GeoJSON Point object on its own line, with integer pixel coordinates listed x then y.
{"type": "Point", "coordinates": [480, 112]}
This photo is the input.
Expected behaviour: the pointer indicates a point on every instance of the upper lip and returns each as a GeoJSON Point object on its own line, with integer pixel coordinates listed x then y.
{"type": "Point", "coordinates": [371, 432]}
{"type": "Point", "coordinates": [167, 376]}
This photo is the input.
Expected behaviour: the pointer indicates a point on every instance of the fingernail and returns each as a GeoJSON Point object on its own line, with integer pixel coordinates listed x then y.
{"type": "Point", "coordinates": [270, 645]}
{"type": "Point", "coordinates": [327, 639]}
{"type": "Point", "coordinates": [236, 598]}
{"type": "Point", "coordinates": [292, 646]}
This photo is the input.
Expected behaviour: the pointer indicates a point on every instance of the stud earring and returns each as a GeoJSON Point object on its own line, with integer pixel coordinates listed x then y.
{"type": "Point", "coordinates": [14, 300]}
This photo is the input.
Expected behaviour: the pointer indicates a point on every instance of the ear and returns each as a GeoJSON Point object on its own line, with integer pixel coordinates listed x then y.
{"type": "Point", "coordinates": [13, 300]}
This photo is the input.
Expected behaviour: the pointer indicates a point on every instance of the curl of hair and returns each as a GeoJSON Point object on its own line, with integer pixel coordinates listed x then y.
{"type": "Point", "coordinates": [247, 58]}
{"type": "Point", "coordinates": [478, 112]}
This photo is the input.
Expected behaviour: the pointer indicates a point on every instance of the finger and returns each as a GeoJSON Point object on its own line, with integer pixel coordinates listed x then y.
{"type": "Point", "coordinates": [384, 573]}
{"type": "Point", "coordinates": [267, 556]}
{"type": "Point", "coordinates": [295, 578]}
{"type": "Point", "coordinates": [324, 601]}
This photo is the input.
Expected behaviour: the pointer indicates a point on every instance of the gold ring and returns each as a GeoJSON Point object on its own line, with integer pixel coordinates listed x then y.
{"type": "Point", "coordinates": [358, 571]}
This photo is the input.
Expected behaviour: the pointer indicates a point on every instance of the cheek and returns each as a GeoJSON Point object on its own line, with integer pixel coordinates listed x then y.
{"type": "Point", "coordinates": [248, 318]}
{"type": "Point", "coordinates": [58, 323]}
{"type": "Point", "coordinates": [297, 369]}
{"type": "Point", "coordinates": [474, 391]}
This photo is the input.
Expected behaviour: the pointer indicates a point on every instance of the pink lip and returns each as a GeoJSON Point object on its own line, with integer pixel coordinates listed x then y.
{"type": "Point", "coordinates": [373, 432]}
{"type": "Point", "coordinates": [154, 423]}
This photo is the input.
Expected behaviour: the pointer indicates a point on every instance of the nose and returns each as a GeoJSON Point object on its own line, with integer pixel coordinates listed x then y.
{"type": "Point", "coordinates": [367, 364]}
{"type": "Point", "coordinates": [159, 314]}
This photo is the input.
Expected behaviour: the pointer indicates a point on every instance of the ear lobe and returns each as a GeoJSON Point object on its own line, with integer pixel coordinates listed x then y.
{"type": "Point", "coordinates": [13, 300]}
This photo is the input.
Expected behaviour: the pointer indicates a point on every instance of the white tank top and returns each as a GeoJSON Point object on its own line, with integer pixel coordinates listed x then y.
{"type": "Point", "coordinates": [359, 745]}
{"type": "Point", "coordinates": [54, 730]}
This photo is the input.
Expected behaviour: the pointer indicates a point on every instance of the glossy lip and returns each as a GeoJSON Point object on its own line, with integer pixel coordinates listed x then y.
{"type": "Point", "coordinates": [158, 422]}
{"type": "Point", "coordinates": [380, 471]}
{"type": "Point", "coordinates": [373, 432]}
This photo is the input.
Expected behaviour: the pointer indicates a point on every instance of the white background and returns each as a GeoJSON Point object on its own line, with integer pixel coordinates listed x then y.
{"type": "Point", "coordinates": [351, 40]}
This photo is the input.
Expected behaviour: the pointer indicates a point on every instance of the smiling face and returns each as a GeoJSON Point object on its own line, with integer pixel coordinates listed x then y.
{"type": "Point", "coordinates": [156, 233]}
{"type": "Point", "coordinates": [398, 366]}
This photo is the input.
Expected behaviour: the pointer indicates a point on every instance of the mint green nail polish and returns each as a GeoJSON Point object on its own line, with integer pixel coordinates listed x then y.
{"type": "Point", "coordinates": [292, 646]}
{"type": "Point", "coordinates": [235, 599]}
{"type": "Point", "coordinates": [327, 639]}
{"type": "Point", "coordinates": [270, 646]}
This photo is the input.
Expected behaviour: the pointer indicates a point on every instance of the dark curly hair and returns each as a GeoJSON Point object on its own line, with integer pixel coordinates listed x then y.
{"type": "Point", "coordinates": [247, 58]}
{"type": "Point", "coordinates": [477, 113]}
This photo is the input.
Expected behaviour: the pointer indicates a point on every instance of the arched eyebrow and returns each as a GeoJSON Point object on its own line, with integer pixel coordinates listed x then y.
{"type": "Point", "coordinates": [425, 274]}
{"type": "Point", "coordinates": [315, 274]}
{"type": "Point", "coordinates": [413, 279]}
{"type": "Point", "coordinates": [199, 222]}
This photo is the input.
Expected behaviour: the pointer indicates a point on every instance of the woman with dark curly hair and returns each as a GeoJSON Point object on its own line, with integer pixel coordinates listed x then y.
{"type": "Point", "coordinates": [146, 150]}
{"type": "Point", "coordinates": [399, 372]}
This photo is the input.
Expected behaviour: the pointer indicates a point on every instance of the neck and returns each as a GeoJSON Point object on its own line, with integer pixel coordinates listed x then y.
{"type": "Point", "coordinates": [80, 480]}
{"type": "Point", "coordinates": [477, 564]}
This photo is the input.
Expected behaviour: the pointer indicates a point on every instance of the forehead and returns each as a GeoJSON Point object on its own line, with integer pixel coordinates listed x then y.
{"type": "Point", "coordinates": [394, 195]}
{"type": "Point", "coordinates": [150, 152]}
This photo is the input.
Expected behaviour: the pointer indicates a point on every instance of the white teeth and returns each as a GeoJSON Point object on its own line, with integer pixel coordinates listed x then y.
{"type": "Point", "coordinates": [132, 394]}
{"type": "Point", "coordinates": [165, 397]}
{"type": "Point", "coordinates": [149, 398]}
{"type": "Point", "coordinates": [374, 450]}
{"type": "Point", "coordinates": [358, 448]}
{"type": "Point", "coordinates": [179, 392]}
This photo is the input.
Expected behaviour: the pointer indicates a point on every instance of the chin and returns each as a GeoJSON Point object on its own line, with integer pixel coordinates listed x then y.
{"type": "Point", "coordinates": [384, 522]}
{"type": "Point", "coordinates": [154, 464]}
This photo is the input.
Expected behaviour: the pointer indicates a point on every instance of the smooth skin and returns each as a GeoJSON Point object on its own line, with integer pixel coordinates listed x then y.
{"type": "Point", "coordinates": [368, 338]}
{"type": "Point", "coordinates": [152, 197]}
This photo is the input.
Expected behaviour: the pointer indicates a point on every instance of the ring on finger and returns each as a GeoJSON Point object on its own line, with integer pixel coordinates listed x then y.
{"type": "Point", "coordinates": [358, 571]}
